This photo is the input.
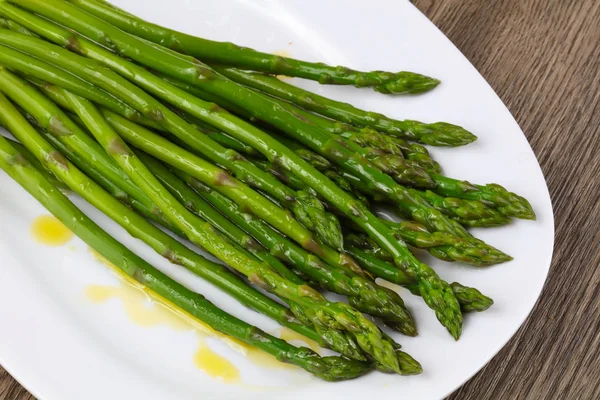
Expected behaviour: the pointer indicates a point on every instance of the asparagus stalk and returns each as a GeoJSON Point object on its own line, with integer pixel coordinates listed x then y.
{"type": "Point", "coordinates": [313, 305]}
{"type": "Point", "coordinates": [14, 163]}
{"type": "Point", "coordinates": [247, 58]}
{"type": "Point", "coordinates": [470, 299]}
{"type": "Point", "coordinates": [435, 291]}
{"type": "Point", "coordinates": [436, 134]}
{"type": "Point", "coordinates": [305, 207]}
{"type": "Point", "coordinates": [365, 137]}
{"type": "Point", "coordinates": [362, 293]}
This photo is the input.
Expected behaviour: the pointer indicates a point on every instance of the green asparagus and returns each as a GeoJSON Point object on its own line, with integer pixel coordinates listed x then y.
{"type": "Point", "coordinates": [453, 248]}
{"type": "Point", "coordinates": [437, 293]}
{"type": "Point", "coordinates": [313, 305]}
{"type": "Point", "coordinates": [362, 293]}
{"type": "Point", "coordinates": [436, 134]}
{"type": "Point", "coordinates": [470, 299]}
{"type": "Point", "coordinates": [140, 228]}
{"type": "Point", "coordinates": [247, 58]}
{"type": "Point", "coordinates": [305, 207]}
{"type": "Point", "coordinates": [327, 368]}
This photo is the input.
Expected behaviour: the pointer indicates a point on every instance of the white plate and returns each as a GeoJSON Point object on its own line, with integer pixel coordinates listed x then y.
{"type": "Point", "coordinates": [62, 346]}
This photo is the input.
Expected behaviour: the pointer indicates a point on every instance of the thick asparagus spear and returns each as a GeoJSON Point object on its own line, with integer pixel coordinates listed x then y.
{"type": "Point", "coordinates": [327, 368]}
{"type": "Point", "coordinates": [362, 293]}
{"type": "Point", "coordinates": [436, 134]}
{"type": "Point", "coordinates": [435, 291]}
{"type": "Point", "coordinates": [247, 58]}
{"type": "Point", "coordinates": [313, 305]}
{"type": "Point", "coordinates": [470, 299]}
{"type": "Point", "coordinates": [306, 207]}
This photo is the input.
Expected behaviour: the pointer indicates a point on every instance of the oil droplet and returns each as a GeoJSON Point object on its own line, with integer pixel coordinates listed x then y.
{"type": "Point", "coordinates": [215, 365]}
{"type": "Point", "coordinates": [139, 308]}
{"type": "Point", "coordinates": [146, 308]}
{"type": "Point", "coordinates": [48, 230]}
{"type": "Point", "coordinates": [289, 335]}
{"type": "Point", "coordinates": [282, 53]}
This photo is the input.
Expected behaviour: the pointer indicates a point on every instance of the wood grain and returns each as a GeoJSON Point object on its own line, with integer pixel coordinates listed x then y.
{"type": "Point", "coordinates": [543, 59]}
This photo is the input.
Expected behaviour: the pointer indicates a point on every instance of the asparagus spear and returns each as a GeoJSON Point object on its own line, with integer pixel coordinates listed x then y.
{"type": "Point", "coordinates": [435, 291]}
{"type": "Point", "coordinates": [247, 58]}
{"type": "Point", "coordinates": [313, 305]}
{"type": "Point", "coordinates": [362, 293]}
{"type": "Point", "coordinates": [305, 207]}
{"type": "Point", "coordinates": [470, 299]}
{"type": "Point", "coordinates": [327, 368]}
{"type": "Point", "coordinates": [436, 134]}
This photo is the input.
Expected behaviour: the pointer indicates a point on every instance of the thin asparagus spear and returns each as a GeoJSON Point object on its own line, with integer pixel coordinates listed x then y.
{"type": "Point", "coordinates": [436, 134]}
{"type": "Point", "coordinates": [436, 292]}
{"type": "Point", "coordinates": [305, 207]}
{"type": "Point", "coordinates": [362, 293]}
{"type": "Point", "coordinates": [247, 58]}
{"type": "Point", "coordinates": [327, 368]}
{"type": "Point", "coordinates": [314, 306]}
{"type": "Point", "coordinates": [37, 165]}
{"type": "Point", "coordinates": [470, 299]}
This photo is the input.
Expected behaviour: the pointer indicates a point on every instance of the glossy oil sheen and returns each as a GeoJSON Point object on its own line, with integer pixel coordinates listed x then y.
{"type": "Point", "coordinates": [49, 231]}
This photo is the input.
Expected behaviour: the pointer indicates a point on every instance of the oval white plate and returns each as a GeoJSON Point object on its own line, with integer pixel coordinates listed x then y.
{"type": "Point", "coordinates": [62, 346]}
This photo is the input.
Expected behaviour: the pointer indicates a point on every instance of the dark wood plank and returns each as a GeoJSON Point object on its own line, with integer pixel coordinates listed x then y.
{"type": "Point", "coordinates": [543, 59]}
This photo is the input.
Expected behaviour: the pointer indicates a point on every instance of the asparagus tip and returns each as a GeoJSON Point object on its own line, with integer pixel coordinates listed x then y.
{"type": "Point", "coordinates": [408, 83]}
{"type": "Point", "coordinates": [408, 365]}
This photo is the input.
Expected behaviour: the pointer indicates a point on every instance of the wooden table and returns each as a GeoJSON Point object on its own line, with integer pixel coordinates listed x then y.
{"type": "Point", "coordinates": [543, 58]}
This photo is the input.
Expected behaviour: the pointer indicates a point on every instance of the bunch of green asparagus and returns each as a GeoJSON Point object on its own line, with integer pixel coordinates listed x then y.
{"type": "Point", "coordinates": [156, 127]}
